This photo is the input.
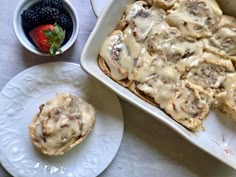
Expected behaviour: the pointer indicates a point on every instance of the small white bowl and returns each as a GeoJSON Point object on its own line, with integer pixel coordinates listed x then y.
{"type": "Point", "coordinates": [18, 28]}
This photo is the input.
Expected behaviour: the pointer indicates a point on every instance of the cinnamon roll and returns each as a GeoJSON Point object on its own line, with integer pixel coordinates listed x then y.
{"type": "Point", "coordinates": [142, 19]}
{"type": "Point", "coordinates": [112, 52]}
{"type": "Point", "coordinates": [190, 105]}
{"type": "Point", "coordinates": [117, 55]}
{"type": "Point", "coordinates": [181, 52]}
{"type": "Point", "coordinates": [157, 79]}
{"type": "Point", "coordinates": [175, 55]}
{"type": "Point", "coordinates": [211, 72]}
{"type": "Point", "coordinates": [226, 99]}
{"type": "Point", "coordinates": [147, 66]}
{"type": "Point", "coordinates": [195, 18]}
{"type": "Point", "coordinates": [223, 40]}
{"type": "Point", "coordinates": [61, 123]}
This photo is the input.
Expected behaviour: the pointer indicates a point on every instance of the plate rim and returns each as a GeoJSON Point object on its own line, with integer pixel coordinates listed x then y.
{"type": "Point", "coordinates": [96, 13]}
{"type": "Point", "coordinates": [10, 170]}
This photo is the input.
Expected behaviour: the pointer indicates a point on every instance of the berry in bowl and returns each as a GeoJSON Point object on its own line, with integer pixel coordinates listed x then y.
{"type": "Point", "coordinates": [46, 27]}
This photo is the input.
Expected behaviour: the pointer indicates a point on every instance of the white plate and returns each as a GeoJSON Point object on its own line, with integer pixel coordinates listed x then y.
{"type": "Point", "coordinates": [99, 5]}
{"type": "Point", "coordinates": [217, 139]}
{"type": "Point", "coordinates": [19, 101]}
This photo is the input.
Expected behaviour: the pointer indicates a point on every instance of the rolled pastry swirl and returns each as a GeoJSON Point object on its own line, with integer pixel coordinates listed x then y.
{"type": "Point", "coordinates": [156, 78]}
{"type": "Point", "coordinates": [119, 51]}
{"type": "Point", "coordinates": [181, 52]}
{"type": "Point", "coordinates": [226, 99]}
{"type": "Point", "coordinates": [159, 48]}
{"type": "Point", "coordinates": [142, 19]}
{"type": "Point", "coordinates": [195, 18]}
{"type": "Point", "coordinates": [189, 105]}
{"type": "Point", "coordinates": [61, 123]}
{"type": "Point", "coordinates": [111, 51]}
{"type": "Point", "coordinates": [223, 40]}
{"type": "Point", "coordinates": [211, 72]}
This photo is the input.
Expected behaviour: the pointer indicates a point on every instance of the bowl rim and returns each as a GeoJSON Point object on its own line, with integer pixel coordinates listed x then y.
{"type": "Point", "coordinates": [19, 33]}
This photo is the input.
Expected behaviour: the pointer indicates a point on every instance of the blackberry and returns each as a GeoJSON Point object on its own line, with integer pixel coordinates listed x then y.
{"type": "Point", "coordinates": [36, 8]}
{"type": "Point", "coordinates": [58, 4]}
{"type": "Point", "coordinates": [49, 14]}
{"type": "Point", "coordinates": [31, 17]}
{"type": "Point", "coordinates": [65, 21]}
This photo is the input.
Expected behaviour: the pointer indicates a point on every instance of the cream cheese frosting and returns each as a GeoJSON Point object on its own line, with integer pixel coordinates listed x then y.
{"type": "Point", "coordinates": [176, 55]}
{"type": "Point", "coordinates": [61, 123]}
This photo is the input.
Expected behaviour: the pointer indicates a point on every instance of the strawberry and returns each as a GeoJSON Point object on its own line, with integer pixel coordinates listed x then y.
{"type": "Point", "coordinates": [48, 38]}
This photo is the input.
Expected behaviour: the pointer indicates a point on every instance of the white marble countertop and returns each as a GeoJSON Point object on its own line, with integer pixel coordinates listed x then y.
{"type": "Point", "coordinates": [148, 148]}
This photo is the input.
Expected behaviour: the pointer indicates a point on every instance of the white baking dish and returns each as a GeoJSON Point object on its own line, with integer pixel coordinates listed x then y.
{"type": "Point", "coordinates": [220, 132]}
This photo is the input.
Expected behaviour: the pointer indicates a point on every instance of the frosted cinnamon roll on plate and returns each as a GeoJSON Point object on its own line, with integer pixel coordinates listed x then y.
{"type": "Point", "coordinates": [211, 72]}
{"type": "Point", "coordinates": [195, 18]}
{"type": "Point", "coordinates": [223, 40]}
{"type": "Point", "coordinates": [61, 123]}
{"type": "Point", "coordinates": [190, 105]}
